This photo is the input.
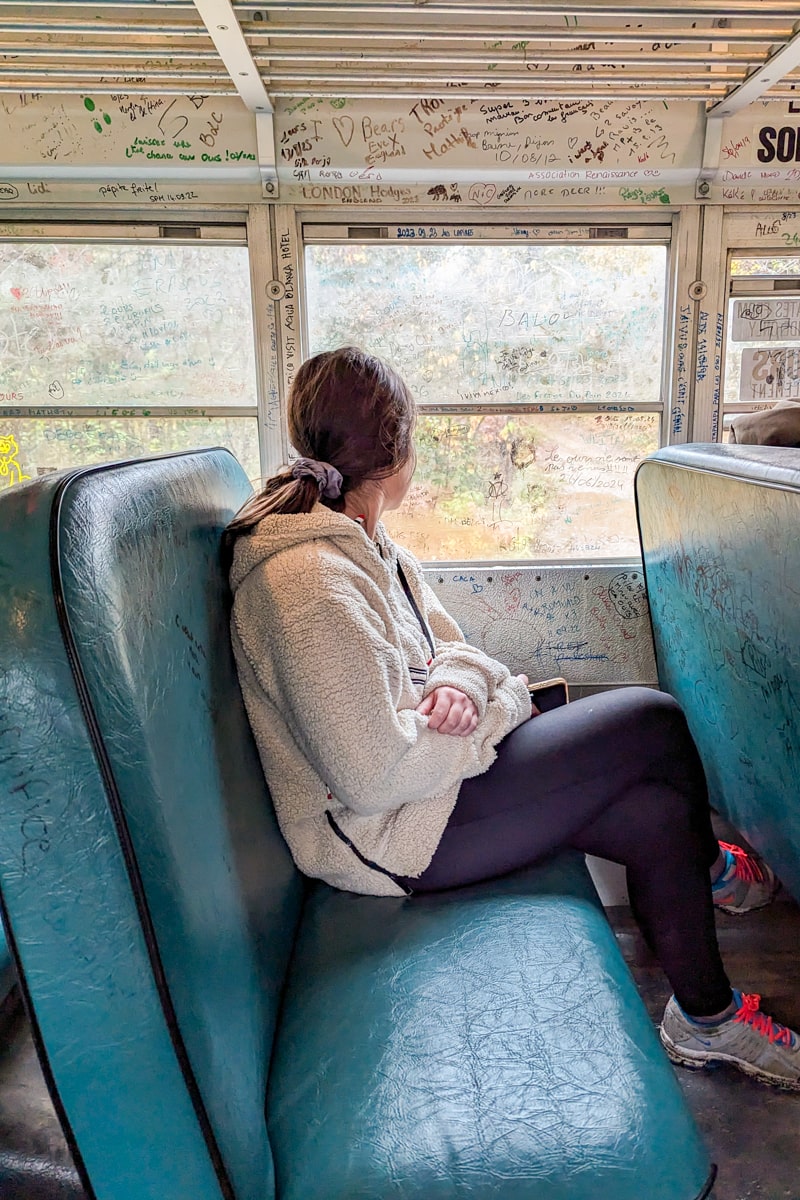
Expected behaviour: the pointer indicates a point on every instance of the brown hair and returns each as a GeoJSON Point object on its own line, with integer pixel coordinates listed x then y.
{"type": "Point", "coordinates": [346, 408]}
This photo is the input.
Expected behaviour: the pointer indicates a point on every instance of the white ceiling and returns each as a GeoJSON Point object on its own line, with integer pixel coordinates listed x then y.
{"type": "Point", "coordinates": [379, 48]}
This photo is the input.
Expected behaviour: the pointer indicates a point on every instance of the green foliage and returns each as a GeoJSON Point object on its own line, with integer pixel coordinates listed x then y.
{"type": "Point", "coordinates": [108, 325]}
{"type": "Point", "coordinates": [502, 329]}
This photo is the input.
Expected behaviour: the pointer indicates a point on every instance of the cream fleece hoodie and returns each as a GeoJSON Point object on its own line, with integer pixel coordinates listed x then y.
{"type": "Point", "coordinates": [332, 663]}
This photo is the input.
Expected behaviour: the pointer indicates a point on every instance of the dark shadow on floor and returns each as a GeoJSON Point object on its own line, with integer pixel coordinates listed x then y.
{"type": "Point", "coordinates": [752, 1131]}
{"type": "Point", "coordinates": [35, 1162]}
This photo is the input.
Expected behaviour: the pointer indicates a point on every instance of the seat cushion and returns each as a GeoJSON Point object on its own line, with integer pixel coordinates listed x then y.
{"type": "Point", "coordinates": [486, 1042]}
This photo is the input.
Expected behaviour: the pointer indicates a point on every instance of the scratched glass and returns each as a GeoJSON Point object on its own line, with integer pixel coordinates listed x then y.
{"type": "Point", "coordinates": [501, 486]}
{"type": "Point", "coordinates": [492, 327]}
{"type": "Point", "coordinates": [119, 325]}
{"type": "Point", "coordinates": [779, 265]}
{"type": "Point", "coordinates": [762, 359]}
{"type": "Point", "coordinates": [36, 447]}
{"type": "Point", "coordinates": [498, 324]}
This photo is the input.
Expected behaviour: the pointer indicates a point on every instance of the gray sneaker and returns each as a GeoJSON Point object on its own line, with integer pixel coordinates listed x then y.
{"type": "Point", "coordinates": [749, 1040]}
{"type": "Point", "coordinates": [746, 884]}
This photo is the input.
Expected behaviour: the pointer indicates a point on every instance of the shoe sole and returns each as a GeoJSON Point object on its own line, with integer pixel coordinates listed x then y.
{"type": "Point", "coordinates": [742, 912]}
{"type": "Point", "coordinates": [697, 1060]}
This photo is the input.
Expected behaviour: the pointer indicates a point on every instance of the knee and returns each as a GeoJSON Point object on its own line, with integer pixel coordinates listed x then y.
{"type": "Point", "coordinates": [656, 720]}
{"type": "Point", "coordinates": [651, 698]}
{"type": "Point", "coordinates": [649, 708]}
{"type": "Point", "coordinates": [651, 702]}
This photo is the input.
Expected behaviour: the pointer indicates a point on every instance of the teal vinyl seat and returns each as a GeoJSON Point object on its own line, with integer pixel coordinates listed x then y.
{"type": "Point", "coordinates": [212, 1026]}
{"type": "Point", "coordinates": [719, 531]}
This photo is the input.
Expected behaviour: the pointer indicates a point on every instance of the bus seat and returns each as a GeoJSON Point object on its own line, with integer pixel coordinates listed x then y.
{"type": "Point", "coordinates": [177, 970]}
{"type": "Point", "coordinates": [133, 800]}
{"type": "Point", "coordinates": [719, 530]}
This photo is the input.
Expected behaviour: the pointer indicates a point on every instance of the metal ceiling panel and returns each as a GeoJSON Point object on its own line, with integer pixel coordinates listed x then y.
{"type": "Point", "coordinates": [385, 48]}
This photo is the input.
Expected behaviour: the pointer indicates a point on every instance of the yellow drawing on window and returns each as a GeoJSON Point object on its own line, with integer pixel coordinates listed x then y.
{"type": "Point", "coordinates": [10, 470]}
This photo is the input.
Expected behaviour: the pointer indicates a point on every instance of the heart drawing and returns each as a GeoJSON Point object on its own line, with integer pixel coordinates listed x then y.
{"type": "Point", "coordinates": [345, 127]}
{"type": "Point", "coordinates": [482, 193]}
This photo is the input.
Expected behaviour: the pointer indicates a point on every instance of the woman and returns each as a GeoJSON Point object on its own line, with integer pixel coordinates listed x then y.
{"type": "Point", "coordinates": [402, 760]}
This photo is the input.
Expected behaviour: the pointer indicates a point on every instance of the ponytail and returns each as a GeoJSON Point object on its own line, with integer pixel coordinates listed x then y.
{"type": "Point", "coordinates": [282, 493]}
{"type": "Point", "coordinates": [345, 408]}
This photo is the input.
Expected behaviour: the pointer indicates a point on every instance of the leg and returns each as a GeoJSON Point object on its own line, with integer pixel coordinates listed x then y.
{"type": "Point", "coordinates": [555, 774]}
{"type": "Point", "coordinates": [653, 831]}
{"type": "Point", "coordinates": [616, 775]}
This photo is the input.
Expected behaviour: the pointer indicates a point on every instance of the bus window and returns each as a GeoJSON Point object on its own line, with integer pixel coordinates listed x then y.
{"type": "Point", "coordinates": [115, 351]}
{"type": "Point", "coordinates": [537, 368]}
{"type": "Point", "coordinates": [762, 351]}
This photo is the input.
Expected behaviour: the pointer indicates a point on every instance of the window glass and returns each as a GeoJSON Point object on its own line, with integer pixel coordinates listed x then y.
{"type": "Point", "coordinates": [36, 447]}
{"type": "Point", "coordinates": [765, 266]}
{"type": "Point", "coordinates": [762, 350]}
{"type": "Point", "coordinates": [499, 330]}
{"type": "Point", "coordinates": [494, 324]}
{"type": "Point", "coordinates": [504, 486]}
{"type": "Point", "coordinates": [125, 324]}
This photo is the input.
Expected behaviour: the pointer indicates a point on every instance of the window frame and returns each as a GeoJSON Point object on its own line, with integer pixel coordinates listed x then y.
{"type": "Point", "coordinates": [323, 228]}
{"type": "Point", "coordinates": [744, 287]}
{"type": "Point", "coordinates": [230, 228]}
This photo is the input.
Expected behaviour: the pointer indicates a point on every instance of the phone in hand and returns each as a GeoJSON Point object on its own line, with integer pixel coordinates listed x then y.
{"type": "Point", "coordinates": [551, 693]}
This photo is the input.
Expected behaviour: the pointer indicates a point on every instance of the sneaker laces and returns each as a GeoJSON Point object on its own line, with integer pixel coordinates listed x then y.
{"type": "Point", "coordinates": [745, 866]}
{"type": "Point", "coordinates": [749, 1013]}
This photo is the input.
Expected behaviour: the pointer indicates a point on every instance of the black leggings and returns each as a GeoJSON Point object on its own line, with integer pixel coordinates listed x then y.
{"type": "Point", "coordinates": [616, 775]}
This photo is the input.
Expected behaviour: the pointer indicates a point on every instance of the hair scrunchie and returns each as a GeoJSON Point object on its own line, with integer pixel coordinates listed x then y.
{"type": "Point", "coordinates": [329, 480]}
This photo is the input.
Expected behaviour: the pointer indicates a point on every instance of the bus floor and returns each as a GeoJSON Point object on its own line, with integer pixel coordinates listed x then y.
{"type": "Point", "coordinates": [751, 1130]}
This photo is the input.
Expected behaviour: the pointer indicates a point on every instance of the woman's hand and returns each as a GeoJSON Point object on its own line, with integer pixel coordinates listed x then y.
{"type": "Point", "coordinates": [449, 711]}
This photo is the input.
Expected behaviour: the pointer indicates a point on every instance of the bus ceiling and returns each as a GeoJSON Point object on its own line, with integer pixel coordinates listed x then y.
{"type": "Point", "coordinates": [377, 101]}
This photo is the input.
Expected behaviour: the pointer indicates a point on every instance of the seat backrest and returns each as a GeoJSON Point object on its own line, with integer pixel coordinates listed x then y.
{"type": "Point", "coordinates": [722, 562]}
{"type": "Point", "coordinates": [150, 901]}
